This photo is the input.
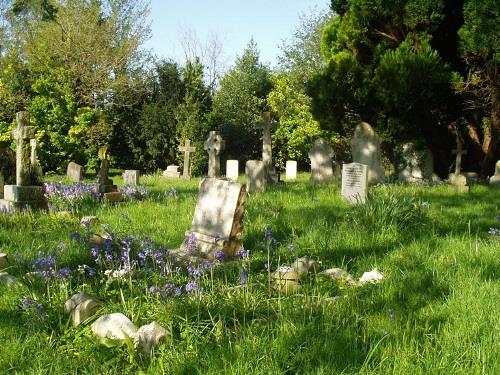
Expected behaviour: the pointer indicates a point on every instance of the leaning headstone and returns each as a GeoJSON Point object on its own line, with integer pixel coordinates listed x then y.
{"type": "Point", "coordinates": [172, 172]}
{"type": "Point", "coordinates": [354, 182]}
{"type": "Point", "coordinates": [104, 183]}
{"type": "Point", "coordinates": [131, 177]}
{"type": "Point", "coordinates": [214, 145]}
{"type": "Point", "coordinates": [365, 146]}
{"type": "Point", "coordinates": [321, 155]}
{"type": "Point", "coordinates": [256, 176]}
{"type": "Point", "coordinates": [232, 169]}
{"type": "Point", "coordinates": [416, 164]}
{"type": "Point", "coordinates": [218, 219]}
{"type": "Point", "coordinates": [28, 192]}
{"type": "Point", "coordinates": [291, 170]}
{"type": "Point", "coordinates": [74, 172]}
{"type": "Point", "coordinates": [187, 149]}
{"type": "Point", "coordinates": [81, 306]}
{"type": "Point", "coordinates": [495, 179]}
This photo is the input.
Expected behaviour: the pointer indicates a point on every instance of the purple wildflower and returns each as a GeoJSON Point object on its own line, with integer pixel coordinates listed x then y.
{"type": "Point", "coordinates": [244, 274]}
{"type": "Point", "coordinates": [75, 236]}
{"type": "Point", "coordinates": [191, 286]}
{"type": "Point", "coordinates": [154, 289]}
{"type": "Point", "coordinates": [195, 271]}
{"type": "Point", "coordinates": [28, 304]}
{"type": "Point", "coordinates": [220, 256]}
{"type": "Point", "coordinates": [64, 273]}
{"type": "Point", "coordinates": [243, 254]}
{"type": "Point", "coordinates": [45, 266]}
{"type": "Point", "coordinates": [192, 245]}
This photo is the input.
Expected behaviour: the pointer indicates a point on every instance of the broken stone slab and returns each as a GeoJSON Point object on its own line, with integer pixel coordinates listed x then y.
{"type": "Point", "coordinates": [3, 261]}
{"type": "Point", "coordinates": [76, 299]}
{"type": "Point", "coordinates": [9, 280]}
{"type": "Point", "coordinates": [115, 326]}
{"type": "Point", "coordinates": [372, 276]}
{"type": "Point", "coordinates": [305, 265]}
{"type": "Point", "coordinates": [337, 273]}
{"type": "Point", "coordinates": [84, 311]}
{"type": "Point", "coordinates": [150, 336]}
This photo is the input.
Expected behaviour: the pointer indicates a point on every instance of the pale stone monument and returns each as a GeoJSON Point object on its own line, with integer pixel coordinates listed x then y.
{"type": "Point", "coordinates": [187, 149]}
{"type": "Point", "coordinates": [74, 172]}
{"type": "Point", "coordinates": [2, 182]}
{"type": "Point", "coordinates": [354, 182]}
{"type": "Point", "coordinates": [232, 169]}
{"type": "Point", "coordinates": [416, 165]}
{"type": "Point", "coordinates": [291, 170]}
{"type": "Point", "coordinates": [457, 179]}
{"type": "Point", "coordinates": [321, 155]}
{"type": "Point", "coordinates": [28, 192]}
{"type": "Point", "coordinates": [365, 146]}
{"type": "Point", "coordinates": [34, 158]}
{"type": "Point", "coordinates": [266, 125]}
{"type": "Point", "coordinates": [172, 172]}
{"type": "Point", "coordinates": [214, 145]}
{"type": "Point", "coordinates": [495, 179]}
{"type": "Point", "coordinates": [131, 177]}
{"type": "Point", "coordinates": [256, 175]}
{"type": "Point", "coordinates": [218, 220]}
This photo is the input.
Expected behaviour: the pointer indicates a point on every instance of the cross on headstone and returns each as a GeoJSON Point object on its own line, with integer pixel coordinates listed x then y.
{"type": "Point", "coordinates": [459, 152]}
{"type": "Point", "coordinates": [187, 149]}
{"type": "Point", "coordinates": [23, 132]}
{"type": "Point", "coordinates": [214, 146]}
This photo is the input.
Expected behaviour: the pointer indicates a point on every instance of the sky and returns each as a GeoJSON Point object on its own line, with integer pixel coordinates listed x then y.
{"type": "Point", "coordinates": [234, 22]}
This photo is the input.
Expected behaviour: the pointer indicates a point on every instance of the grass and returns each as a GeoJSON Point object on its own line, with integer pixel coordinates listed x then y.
{"type": "Point", "coordinates": [436, 312]}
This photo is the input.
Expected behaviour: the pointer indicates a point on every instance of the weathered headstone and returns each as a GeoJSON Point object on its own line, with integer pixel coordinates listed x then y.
{"type": "Point", "coordinates": [266, 125]}
{"type": "Point", "coordinates": [187, 149]}
{"type": "Point", "coordinates": [256, 175]}
{"type": "Point", "coordinates": [321, 155]}
{"type": "Point", "coordinates": [214, 145]}
{"type": "Point", "coordinates": [172, 172]}
{"type": "Point", "coordinates": [416, 164]}
{"type": "Point", "coordinates": [354, 182]}
{"type": "Point", "coordinates": [291, 170]}
{"type": "Point", "coordinates": [74, 172]}
{"type": "Point", "coordinates": [218, 219]}
{"type": "Point", "coordinates": [458, 180]}
{"type": "Point", "coordinates": [28, 192]}
{"type": "Point", "coordinates": [1, 185]}
{"type": "Point", "coordinates": [232, 169]}
{"type": "Point", "coordinates": [495, 179]}
{"type": "Point", "coordinates": [365, 146]}
{"type": "Point", "coordinates": [104, 183]}
{"type": "Point", "coordinates": [131, 177]}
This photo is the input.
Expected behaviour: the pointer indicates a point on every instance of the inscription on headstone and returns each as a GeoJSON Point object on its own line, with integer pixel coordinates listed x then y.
{"type": "Point", "coordinates": [354, 182]}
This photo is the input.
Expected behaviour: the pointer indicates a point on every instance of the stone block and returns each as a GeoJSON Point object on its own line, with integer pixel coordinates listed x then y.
{"type": "Point", "coordinates": [74, 172]}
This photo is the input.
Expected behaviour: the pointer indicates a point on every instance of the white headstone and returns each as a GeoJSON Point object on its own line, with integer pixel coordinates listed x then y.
{"type": "Point", "coordinates": [354, 182]}
{"type": "Point", "coordinates": [291, 169]}
{"type": "Point", "coordinates": [495, 179]}
{"type": "Point", "coordinates": [256, 175]}
{"type": "Point", "coordinates": [321, 155]}
{"type": "Point", "coordinates": [232, 169]}
{"type": "Point", "coordinates": [171, 172]}
{"type": "Point", "coordinates": [131, 177]}
{"type": "Point", "coordinates": [74, 172]}
{"type": "Point", "coordinates": [365, 146]}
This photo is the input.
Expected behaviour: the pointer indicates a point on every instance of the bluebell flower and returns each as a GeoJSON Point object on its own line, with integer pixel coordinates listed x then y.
{"type": "Point", "coordinates": [75, 236]}
{"type": "Point", "coordinates": [191, 286]}
{"type": "Point", "coordinates": [244, 275]}
{"type": "Point", "coordinates": [64, 273]}
{"type": "Point", "coordinates": [243, 254]}
{"type": "Point", "coordinates": [154, 289]}
{"type": "Point", "coordinates": [192, 244]}
{"type": "Point", "coordinates": [28, 304]}
{"type": "Point", "coordinates": [220, 256]}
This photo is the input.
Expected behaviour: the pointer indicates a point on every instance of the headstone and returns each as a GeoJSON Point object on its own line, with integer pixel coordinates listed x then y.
{"type": "Point", "coordinates": [214, 145]}
{"type": "Point", "coordinates": [172, 172]}
{"type": "Point", "coordinates": [321, 155]}
{"type": "Point", "coordinates": [232, 169]}
{"type": "Point", "coordinates": [150, 336]}
{"type": "Point", "coordinates": [372, 276]}
{"type": "Point", "coordinates": [112, 197]}
{"type": "Point", "coordinates": [1, 185]}
{"type": "Point", "coordinates": [495, 179]}
{"type": "Point", "coordinates": [74, 172]}
{"type": "Point", "coordinates": [218, 218]}
{"type": "Point", "coordinates": [365, 146]}
{"type": "Point", "coordinates": [131, 177]}
{"type": "Point", "coordinates": [81, 306]}
{"type": "Point", "coordinates": [256, 176]}
{"type": "Point", "coordinates": [416, 165]}
{"type": "Point", "coordinates": [458, 180]}
{"type": "Point", "coordinates": [28, 192]}
{"type": "Point", "coordinates": [291, 170]}
{"type": "Point", "coordinates": [187, 149]}
{"type": "Point", "coordinates": [266, 126]}
{"type": "Point", "coordinates": [104, 183]}
{"type": "Point", "coordinates": [354, 182]}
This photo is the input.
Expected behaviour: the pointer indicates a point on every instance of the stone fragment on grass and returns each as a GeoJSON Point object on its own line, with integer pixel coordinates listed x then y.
{"type": "Point", "coordinates": [75, 300]}
{"type": "Point", "coordinates": [305, 265]}
{"type": "Point", "coordinates": [373, 277]}
{"type": "Point", "coordinates": [84, 310]}
{"type": "Point", "coordinates": [3, 261]}
{"type": "Point", "coordinates": [9, 280]}
{"type": "Point", "coordinates": [286, 279]}
{"type": "Point", "coordinates": [114, 326]}
{"type": "Point", "coordinates": [150, 336]}
{"type": "Point", "coordinates": [87, 221]}
{"type": "Point", "coordinates": [337, 273]}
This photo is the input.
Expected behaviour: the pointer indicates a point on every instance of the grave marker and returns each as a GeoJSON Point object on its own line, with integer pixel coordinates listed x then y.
{"type": "Point", "coordinates": [365, 146]}
{"type": "Point", "coordinates": [104, 183]}
{"type": "Point", "coordinates": [131, 177]}
{"type": "Point", "coordinates": [256, 176]}
{"type": "Point", "coordinates": [354, 182]}
{"type": "Point", "coordinates": [232, 169]}
{"type": "Point", "coordinates": [214, 145]}
{"type": "Point", "coordinates": [172, 172]}
{"type": "Point", "coordinates": [291, 170]}
{"type": "Point", "coordinates": [495, 179]}
{"type": "Point", "coordinates": [266, 125]}
{"type": "Point", "coordinates": [187, 149]}
{"type": "Point", "coordinates": [74, 172]}
{"type": "Point", "coordinates": [321, 155]}
{"type": "Point", "coordinates": [458, 180]}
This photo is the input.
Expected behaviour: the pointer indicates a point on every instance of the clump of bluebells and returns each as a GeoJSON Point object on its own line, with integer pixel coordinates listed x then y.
{"type": "Point", "coordinates": [134, 193]}
{"type": "Point", "coordinates": [32, 308]}
{"type": "Point", "coordinates": [46, 267]}
{"type": "Point", "coordinates": [68, 197]}
{"type": "Point", "coordinates": [171, 193]}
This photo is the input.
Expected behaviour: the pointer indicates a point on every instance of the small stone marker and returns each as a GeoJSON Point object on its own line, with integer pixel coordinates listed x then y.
{"type": "Point", "coordinates": [218, 218]}
{"type": "Point", "coordinates": [291, 170]}
{"type": "Point", "coordinates": [131, 177]}
{"type": "Point", "coordinates": [232, 169]}
{"type": "Point", "coordinates": [321, 155]}
{"type": "Point", "coordinates": [187, 149]}
{"type": "Point", "coordinates": [354, 182]}
{"type": "Point", "coordinates": [495, 179]}
{"type": "Point", "coordinates": [256, 176]}
{"type": "Point", "coordinates": [214, 145]}
{"type": "Point", "coordinates": [458, 180]}
{"type": "Point", "coordinates": [266, 125]}
{"type": "Point", "coordinates": [81, 306]}
{"type": "Point", "coordinates": [172, 172]}
{"type": "Point", "coordinates": [365, 146]}
{"type": "Point", "coordinates": [74, 172]}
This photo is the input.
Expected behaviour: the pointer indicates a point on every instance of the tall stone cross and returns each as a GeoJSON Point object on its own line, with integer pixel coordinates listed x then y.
{"type": "Point", "coordinates": [22, 133]}
{"type": "Point", "coordinates": [214, 145]}
{"type": "Point", "coordinates": [187, 149]}
{"type": "Point", "coordinates": [459, 152]}
{"type": "Point", "coordinates": [266, 125]}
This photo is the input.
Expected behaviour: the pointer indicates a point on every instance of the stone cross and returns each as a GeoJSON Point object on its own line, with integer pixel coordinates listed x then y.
{"type": "Point", "coordinates": [459, 152]}
{"type": "Point", "coordinates": [214, 146]}
{"type": "Point", "coordinates": [266, 126]}
{"type": "Point", "coordinates": [23, 132]}
{"type": "Point", "coordinates": [187, 149]}
{"type": "Point", "coordinates": [33, 151]}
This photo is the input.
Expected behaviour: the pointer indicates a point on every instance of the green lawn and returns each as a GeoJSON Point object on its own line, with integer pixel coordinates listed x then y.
{"type": "Point", "coordinates": [436, 311]}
